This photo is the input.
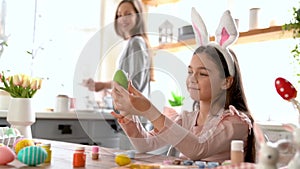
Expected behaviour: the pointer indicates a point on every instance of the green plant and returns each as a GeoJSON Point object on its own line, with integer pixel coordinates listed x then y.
{"type": "Point", "coordinates": [177, 100]}
{"type": "Point", "coordinates": [294, 25]}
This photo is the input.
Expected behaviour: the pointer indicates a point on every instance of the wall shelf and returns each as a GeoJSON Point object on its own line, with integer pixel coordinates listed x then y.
{"type": "Point", "coordinates": [158, 2]}
{"type": "Point", "coordinates": [251, 36]}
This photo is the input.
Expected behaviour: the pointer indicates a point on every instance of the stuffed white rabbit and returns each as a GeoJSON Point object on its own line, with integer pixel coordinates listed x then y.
{"type": "Point", "coordinates": [269, 152]}
{"type": "Point", "coordinates": [295, 161]}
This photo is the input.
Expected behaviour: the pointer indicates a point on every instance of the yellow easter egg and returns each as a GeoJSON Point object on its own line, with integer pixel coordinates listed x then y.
{"type": "Point", "coordinates": [122, 159]}
{"type": "Point", "coordinates": [23, 143]}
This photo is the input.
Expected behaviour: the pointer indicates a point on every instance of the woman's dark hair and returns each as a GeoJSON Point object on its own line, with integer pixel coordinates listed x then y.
{"type": "Point", "coordinates": [235, 93]}
{"type": "Point", "coordinates": [140, 27]}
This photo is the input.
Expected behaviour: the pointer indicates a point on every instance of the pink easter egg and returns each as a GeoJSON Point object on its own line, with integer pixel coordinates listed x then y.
{"type": "Point", "coordinates": [6, 155]}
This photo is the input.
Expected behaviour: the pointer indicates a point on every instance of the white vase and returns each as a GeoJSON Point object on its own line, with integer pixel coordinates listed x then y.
{"type": "Point", "coordinates": [21, 116]}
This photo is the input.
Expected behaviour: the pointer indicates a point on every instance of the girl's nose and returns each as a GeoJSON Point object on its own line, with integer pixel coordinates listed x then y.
{"type": "Point", "coordinates": [193, 78]}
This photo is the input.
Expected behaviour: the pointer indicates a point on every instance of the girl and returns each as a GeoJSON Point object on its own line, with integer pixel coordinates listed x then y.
{"type": "Point", "coordinates": [214, 81]}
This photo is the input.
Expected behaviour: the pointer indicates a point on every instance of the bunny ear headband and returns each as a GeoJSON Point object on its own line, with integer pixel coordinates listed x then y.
{"type": "Point", "coordinates": [226, 34]}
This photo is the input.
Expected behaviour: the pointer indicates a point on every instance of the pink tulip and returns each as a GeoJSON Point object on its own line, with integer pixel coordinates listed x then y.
{"type": "Point", "coordinates": [16, 80]}
{"type": "Point", "coordinates": [26, 81]}
{"type": "Point", "coordinates": [34, 84]}
{"type": "Point", "coordinates": [39, 83]}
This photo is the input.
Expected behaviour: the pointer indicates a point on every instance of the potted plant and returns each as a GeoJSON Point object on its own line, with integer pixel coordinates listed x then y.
{"type": "Point", "coordinates": [21, 88]}
{"type": "Point", "coordinates": [176, 102]}
{"type": "Point", "coordinates": [294, 25]}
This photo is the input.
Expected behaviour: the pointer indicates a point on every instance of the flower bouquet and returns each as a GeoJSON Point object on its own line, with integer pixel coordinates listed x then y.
{"type": "Point", "coordinates": [20, 85]}
{"type": "Point", "coordinates": [21, 88]}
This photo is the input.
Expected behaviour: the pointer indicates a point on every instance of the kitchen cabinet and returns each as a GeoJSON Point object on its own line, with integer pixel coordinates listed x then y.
{"type": "Point", "coordinates": [84, 127]}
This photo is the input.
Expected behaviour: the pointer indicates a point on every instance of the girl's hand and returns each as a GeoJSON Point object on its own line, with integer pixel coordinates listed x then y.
{"type": "Point", "coordinates": [132, 102]}
{"type": "Point", "coordinates": [120, 117]}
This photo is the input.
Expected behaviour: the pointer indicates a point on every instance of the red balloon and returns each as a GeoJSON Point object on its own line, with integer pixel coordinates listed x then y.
{"type": "Point", "coordinates": [285, 89]}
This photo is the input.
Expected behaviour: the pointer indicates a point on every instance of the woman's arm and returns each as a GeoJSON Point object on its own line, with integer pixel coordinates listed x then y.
{"type": "Point", "coordinates": [102, 85]}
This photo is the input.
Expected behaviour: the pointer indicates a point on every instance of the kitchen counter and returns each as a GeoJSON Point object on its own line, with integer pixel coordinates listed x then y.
{"type": "Point", "coordinates": [76, 114]}
{"type": "Point", "coordinates": [84, 126]}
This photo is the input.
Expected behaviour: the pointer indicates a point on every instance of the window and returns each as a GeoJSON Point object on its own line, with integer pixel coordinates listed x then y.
{"type": "Point", "coordinates": [56, 34]}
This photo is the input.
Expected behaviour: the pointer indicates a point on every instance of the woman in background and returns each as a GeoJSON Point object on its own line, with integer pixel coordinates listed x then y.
{"type": "Point", "coordinates": [135, 58]}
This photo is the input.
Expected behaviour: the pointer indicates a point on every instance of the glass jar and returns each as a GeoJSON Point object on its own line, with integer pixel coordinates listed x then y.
{"type": "Point", "coordinates": [79, 157]}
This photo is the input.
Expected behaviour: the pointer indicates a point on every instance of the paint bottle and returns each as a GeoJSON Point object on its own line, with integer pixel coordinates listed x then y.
{"type": "Point", "coordinates": [237, 151]}
{"type": "Point", "coordinates": [79, 157]}
{"type": "Point", "coordinates": [95, 153]}
{"type": "Point", "coordinates": [47, 147]}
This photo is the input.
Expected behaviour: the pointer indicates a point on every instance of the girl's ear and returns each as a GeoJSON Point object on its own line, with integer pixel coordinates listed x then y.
{"type": "Point", "coordinates": [227, 82]}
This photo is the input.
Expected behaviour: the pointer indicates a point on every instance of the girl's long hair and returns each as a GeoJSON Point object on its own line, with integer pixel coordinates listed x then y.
{"type": "Point", "coordinates": [235, 94]}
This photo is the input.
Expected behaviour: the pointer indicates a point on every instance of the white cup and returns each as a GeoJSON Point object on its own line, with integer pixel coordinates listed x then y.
{"type": "Point", "coordinates": [4, 100]}
{"type": "Point", "coordinates": [254, 18]}
{"type": "Point", "coordinates": [62, 103]}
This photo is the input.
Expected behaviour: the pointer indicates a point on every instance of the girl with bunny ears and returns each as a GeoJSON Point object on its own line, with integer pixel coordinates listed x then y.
{"type": "Point", "coordinates": [214, 81]}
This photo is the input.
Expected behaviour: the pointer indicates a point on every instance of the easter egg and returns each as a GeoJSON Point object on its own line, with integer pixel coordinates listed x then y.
{"type": "Point", "coordinates": [17, 140]}
{"type": "Point", "coordinates": [121, 78]}
{"type": "Point", "coordinates": [6, 155]}
{"type": "Point", "coordinates": [122, 159]}
{"type": "Point", "coordinates": [23, 143]}
{"type": "Point", "coordinates": [285, 89]}
{"type": "Point", "coordinates": [32, 155]}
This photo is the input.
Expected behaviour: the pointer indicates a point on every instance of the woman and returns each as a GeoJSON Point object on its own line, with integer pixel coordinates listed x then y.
{"type": "Point", "coordinates": [214, 81]}
{"type": "Point", "coordinates": [135, 59]}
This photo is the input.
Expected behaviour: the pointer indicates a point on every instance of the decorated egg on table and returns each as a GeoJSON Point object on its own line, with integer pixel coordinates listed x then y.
{"type": "Point", "coordinates": [122, 159]}
{"type": "Point", "coordinates": [32, 155]}
{"type": "Point", "coordinates": [20, 144]}
{"type": "Point", "coordinates": [6, 155]}
{"type": "Point", "coordinates": [17, 140]}
{"type": "Point", "coordinates": [285, 89]}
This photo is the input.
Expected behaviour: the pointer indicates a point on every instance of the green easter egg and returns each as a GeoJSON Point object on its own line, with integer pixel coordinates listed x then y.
{"type": "Point", "coordinates": [32, 155]}
{"type": "Point", "coordinates": [121, 78]}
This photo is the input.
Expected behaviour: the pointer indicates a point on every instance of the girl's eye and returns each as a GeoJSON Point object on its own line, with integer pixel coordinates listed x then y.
{"type": "Point", "coordinates": [203, 74]}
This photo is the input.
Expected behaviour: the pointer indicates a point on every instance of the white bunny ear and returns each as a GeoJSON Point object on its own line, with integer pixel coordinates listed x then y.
{"type": "Point", "coordinates": [201, 34]}
{"type": "Point", "coordinates": [226, 33]}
